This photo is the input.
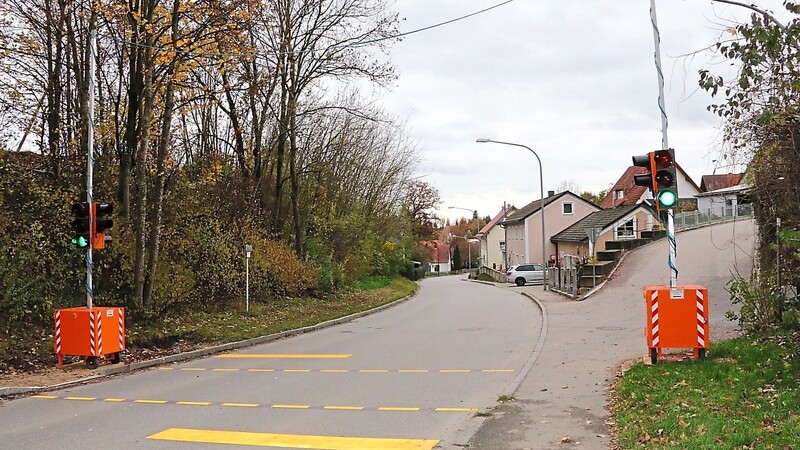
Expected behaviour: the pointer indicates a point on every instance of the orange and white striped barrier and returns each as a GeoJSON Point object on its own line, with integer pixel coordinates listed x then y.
{"type": "Point", "coordinates": [79, 332]}
{"type": "Point", "coordinates": [677, 317]}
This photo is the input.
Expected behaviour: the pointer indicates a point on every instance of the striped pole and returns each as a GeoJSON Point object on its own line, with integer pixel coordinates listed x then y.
{"type": "Point", "coordinates": [654, 318]}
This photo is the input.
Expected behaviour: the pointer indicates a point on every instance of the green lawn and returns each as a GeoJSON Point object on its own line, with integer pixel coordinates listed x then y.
{"type": "Point", "coordinates": [745, 395]}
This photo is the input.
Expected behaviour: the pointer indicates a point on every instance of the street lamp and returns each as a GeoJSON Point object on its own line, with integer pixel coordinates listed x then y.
{"type": "Point", "coordinates": [473, 211]}
{"type": "Point", "coordinates": [541, 193]}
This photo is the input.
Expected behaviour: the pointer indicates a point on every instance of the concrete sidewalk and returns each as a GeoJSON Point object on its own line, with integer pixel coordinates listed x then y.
{"type": "Point", "coordinates": [561, 404]}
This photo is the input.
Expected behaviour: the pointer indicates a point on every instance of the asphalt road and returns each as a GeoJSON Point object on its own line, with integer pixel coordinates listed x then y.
{"type": "Point", "coordinates": [412, 376]}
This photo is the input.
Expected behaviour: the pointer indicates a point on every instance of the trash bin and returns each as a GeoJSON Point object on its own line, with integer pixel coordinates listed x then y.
{"type": "Point", "coordinates": [676, 318]}
{"type": "Point", "coordinates": [89, 332]}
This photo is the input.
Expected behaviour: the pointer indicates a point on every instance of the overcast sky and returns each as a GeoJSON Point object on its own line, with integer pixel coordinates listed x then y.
{"type": "Point", "coordinates": [575, 80]}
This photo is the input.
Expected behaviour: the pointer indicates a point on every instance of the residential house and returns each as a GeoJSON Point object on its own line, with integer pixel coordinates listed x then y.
{"type": "Point", "coordinates": [724, 202]}
{"type": "Point", "coordinates": [438, 256]}
{"type": "Point", "coordinates": [493, 241]}
{"type": "Point", "coordinates": [613, 224]}
{"type": "Point", "coordinates": [524, 226]}
{"type": "Point", "coordinates": [624, 192]}
{"type": "Point", "coordinates": [714, 182]}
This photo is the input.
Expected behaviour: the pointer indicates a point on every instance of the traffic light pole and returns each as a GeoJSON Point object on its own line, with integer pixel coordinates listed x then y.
{"type": "Point", "coordinates": [90, 166]}
{"type": "Point", "coordinates": [673, 268]}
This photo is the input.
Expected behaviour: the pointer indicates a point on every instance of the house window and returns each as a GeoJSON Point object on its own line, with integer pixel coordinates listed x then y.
{"type": "Point", "coordinates": [626, 230]}
{"type": "Point", "coordinates": [620, 193]}
{"type": "Point", "coordinates": [567, 208]}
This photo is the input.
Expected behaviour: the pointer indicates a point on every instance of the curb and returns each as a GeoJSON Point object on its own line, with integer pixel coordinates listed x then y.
{"type": "Point", "coordinates": [127, 368]}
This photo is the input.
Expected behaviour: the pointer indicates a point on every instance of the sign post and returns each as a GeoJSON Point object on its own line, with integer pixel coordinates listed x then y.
{"type": "Point", "coordinates": [249, 250]}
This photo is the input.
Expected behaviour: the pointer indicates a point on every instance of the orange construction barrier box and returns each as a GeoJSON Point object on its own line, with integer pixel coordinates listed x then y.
{"type": "Point", "coordinates": [677, 317]}
{"type": "Point", "coordinates": [89, 332]}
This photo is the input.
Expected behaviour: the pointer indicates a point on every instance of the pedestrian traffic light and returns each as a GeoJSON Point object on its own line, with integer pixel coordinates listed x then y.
{"type": "Point", "coordinates": [81, 225]}
{"type": "Point", "coordinates": [102, 222]}
{"type": "Point", "coordinates": [666, 179]}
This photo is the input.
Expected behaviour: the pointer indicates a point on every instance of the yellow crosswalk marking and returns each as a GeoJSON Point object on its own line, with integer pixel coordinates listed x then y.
{"type": "Point", "coordinates": [155, 402]}
{"type": "Point", "coordinates": [193, 403]}
{"type": "Point", "coordinates": [344, 408]}
{"type": "Point", "coordinates": [114, 400]}
{"type": "Point", "coordinates": [50, 397]}
{"type": "Point", "coordinates": [242, 405]}
{"type": "Point", "coordinates": [373, 371]}
{"type": "Point", "coordinates": [413, 371]}
{"type": "Point", "coordinates": [334, 371]}
{"type": "Point", "coordinates": [86, 399]}
{"type": "Point", "coordinates": [291, 406]}
{"type": "Point", "coordinates": [291, 440]}
{"type": "Point", "coordinates": [286, 355]}
{"type": "Point", "coordinates": [397, 408]}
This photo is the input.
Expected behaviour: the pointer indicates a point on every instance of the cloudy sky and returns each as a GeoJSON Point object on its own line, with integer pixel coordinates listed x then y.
{"type": "Point", "coordinates": [575, 80]}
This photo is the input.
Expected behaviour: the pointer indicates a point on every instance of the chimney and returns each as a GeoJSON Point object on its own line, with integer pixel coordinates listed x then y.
{"type": "Point", "coordinates": [551, 193]}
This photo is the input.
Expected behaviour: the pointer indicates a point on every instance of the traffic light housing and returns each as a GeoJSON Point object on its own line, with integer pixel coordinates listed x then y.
{"type": "Point", "coordinates": [666, 178]}
{"type": "Point", "coordinates": [81, 225]}
{"type": "Point", "coordinates": [645, 179]}
{"type": "Point", "coordinates": [102, 222]}
{"type": "Point", "coordinates": [662, 179]}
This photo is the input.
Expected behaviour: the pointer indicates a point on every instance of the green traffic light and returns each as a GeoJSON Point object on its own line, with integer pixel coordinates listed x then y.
{"type": "Point", "coordinates": [667, 199]}
{"type": "Point", "coordinates": [80, 242]}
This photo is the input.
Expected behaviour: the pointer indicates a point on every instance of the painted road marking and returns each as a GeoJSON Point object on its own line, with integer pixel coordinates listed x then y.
{"type": "Point", "coordinates": [273, 406]}
{"type": "Point", "coordinates": [233, 369]}
{"type": "Point", "coordinates": [286, 355]}
{"type": "Point", "coordinates": [291, 440]}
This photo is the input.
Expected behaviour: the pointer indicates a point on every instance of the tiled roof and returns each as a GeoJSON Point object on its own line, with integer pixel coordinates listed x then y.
{"type": "Point", "coordinates": [498, 218]}
{"type": "Point", "coordinates": [523, 213]}
{"type": "Point", "coordinates": [602, 219]}
{"type": "Point", "coordinates": [715, 182]}
{"type": "Point", "coordinates": [631, 192]}
{"type": "Point", "coordinates": [438, 251]}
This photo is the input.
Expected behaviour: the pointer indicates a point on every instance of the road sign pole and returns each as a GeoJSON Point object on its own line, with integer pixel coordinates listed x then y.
{"type": "Point", "coordinates": [249, 250]}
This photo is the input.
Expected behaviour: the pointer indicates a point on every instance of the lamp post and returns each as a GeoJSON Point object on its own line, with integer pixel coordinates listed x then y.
{"type": "Point", "coordinates": [541, 193]}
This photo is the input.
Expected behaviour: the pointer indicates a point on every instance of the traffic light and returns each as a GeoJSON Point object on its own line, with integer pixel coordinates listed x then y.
{"type": "Point", "coordinates": [666, 178]}
{"type": "Point", "coordinates": [645, 179]}
{"type": "Point", "coordinates": [81, 225]}
{"type": "Point", "coordinates": [102, 222]}
{"type": "Point", "coordinates": [662, 179]}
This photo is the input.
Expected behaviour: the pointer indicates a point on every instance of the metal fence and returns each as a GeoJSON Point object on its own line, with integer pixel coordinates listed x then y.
{"type": "Point", "coordinates": [692, 219]}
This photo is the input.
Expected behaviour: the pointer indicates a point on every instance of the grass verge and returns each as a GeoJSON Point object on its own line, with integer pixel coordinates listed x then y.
{"type": "Point", "coordinates": [266, 318]}
{"type": "Point", "coordinates": [744, 395]}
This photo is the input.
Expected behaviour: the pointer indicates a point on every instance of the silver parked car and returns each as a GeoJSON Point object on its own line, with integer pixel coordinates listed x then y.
{"type": "Point", "coordinates": [525, 273]}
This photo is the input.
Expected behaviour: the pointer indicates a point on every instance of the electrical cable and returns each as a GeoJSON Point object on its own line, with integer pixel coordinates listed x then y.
{"type": "Point", "coordinates": [254, 54]}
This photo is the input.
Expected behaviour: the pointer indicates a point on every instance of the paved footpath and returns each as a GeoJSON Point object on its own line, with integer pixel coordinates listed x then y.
{"type": "Point", "coordinates": [562, 402]}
